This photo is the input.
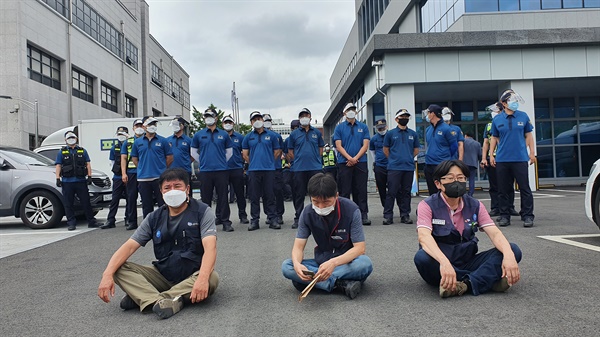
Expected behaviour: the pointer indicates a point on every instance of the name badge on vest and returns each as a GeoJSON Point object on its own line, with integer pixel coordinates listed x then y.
{"type": "Point", "coordinates": [438, 221]}
{"type": "Point", "coordinates": [190, 224]}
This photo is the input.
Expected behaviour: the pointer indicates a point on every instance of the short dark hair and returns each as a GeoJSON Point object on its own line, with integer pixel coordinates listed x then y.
{"type": "Point", "coordinates": [172, 174]}
{"type": "Point", "coordinates": [322, 185]}
{"type": "Point", "coordinates": [444, 167]}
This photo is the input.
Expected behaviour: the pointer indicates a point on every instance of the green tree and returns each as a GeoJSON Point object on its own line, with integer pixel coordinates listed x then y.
{"type": "Point", "coordinates": [197, 122]}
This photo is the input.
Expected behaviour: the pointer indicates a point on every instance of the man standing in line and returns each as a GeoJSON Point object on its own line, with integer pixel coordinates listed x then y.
{"type": "Point", "coordinates": [288, 174]}
{"type": "Point", "coordinates": [73, 165]}
{"type": "Point", "coordinates": [181, 146]}
{"type": "Point", "coordinates": [152, 155]}
{"type": "Point", "coordinates": [278, 183]}
{"type": "Point", "coordinates": [400, 146]}
{"type": "Point", "coordinates": [212, 148]}
{"type": "Point", "coordinates": [235, 168]}
{"type": "Point", "coordinates": [118, 187]}
{"type": "Point", "coordinates": [305, 148]}
{"type": "Point", "coordinates": [460, 138]}
{"type": "Point", "coordinates": [441, 143]}
{"type": "Point", "coordinates": [380, 161]}
{"type": "Point", "coordinates": [351, 139]}
{"type": "Point", "coordinates": [259, 149]}
{"type": "Point", "coordinates": [511, 131]}
{"type": "Point", "coordinates": [129, 176]}
{"type": "Point", "coordinates": [471, 158]}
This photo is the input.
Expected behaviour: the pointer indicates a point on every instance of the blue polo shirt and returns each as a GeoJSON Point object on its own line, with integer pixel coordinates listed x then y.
{"type": "Point", "coordinates": [280, 141]}
{"type": "Point", "coordinates": [181, 152]}
{"type": "Point", "coordinates": [211, 147]}
{"type": "Point", "coordinates": [152, 156]}
{"type": "Point", "coordinates": [402, 144]}
{"type": "Point", "coordinates": [376, 145]}
{"type": "Point", "coordinates": [260, 148]}
{"type": "Point", "coordinates": [460, 137]}
{"type": "Point", "coordinates": [441, 143]}
{"type": "Point", "coordinates": [73, 151]}
{"type": "Point", "coordinates": [236, 161]}
{"type": "Point", "coordinates": [111, 156]}
{"type": "Point", "coordinates": [306, 144]}
{"type": "Point", "coordinates": [510, 131]}
{"type": "Point", "coordinates": [352, 137]}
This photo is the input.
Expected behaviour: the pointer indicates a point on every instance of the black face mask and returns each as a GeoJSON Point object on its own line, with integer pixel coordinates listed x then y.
{"type": "Point", "coordinates": [455, 189]}
{"type": "Point", "coordinates": [403, 121]}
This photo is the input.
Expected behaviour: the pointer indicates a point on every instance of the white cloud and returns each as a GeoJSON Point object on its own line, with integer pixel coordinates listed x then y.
{"type": "Point", "coordinates": [279, 53]}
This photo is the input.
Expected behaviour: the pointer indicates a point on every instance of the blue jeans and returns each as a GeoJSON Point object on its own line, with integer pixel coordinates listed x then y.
{"type": "Point", "coordinates": [358, 270]}
{"type": "Point", "coordinates": [482, 271]}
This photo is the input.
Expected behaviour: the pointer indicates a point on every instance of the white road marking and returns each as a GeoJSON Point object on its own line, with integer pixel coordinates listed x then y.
{"type": "Point", "coordinates": [45, 233]}
{"type": "Point", "coordinates": [569, 191]}
{"type": "Point", "coordinates": [564, 239]}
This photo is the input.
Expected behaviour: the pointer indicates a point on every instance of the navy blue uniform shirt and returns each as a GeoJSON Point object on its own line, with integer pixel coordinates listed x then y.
{"type": "Point", "coordinates": [402, 144]}
{"type": "Point", "coordinates": [376, 144]}
{"type": "Point", "coordinates": [236, 161]}
{"type": "Point", "coordinates": [261, 147]}
{"type": "Point", "coordinates": [152, 156]}
{"type": "Point", "coordinates": [181, 152]}
{"type": "Point", "coordinates": [306, 144]}
{"type": "Point", "coordinates": [352, 137]}
{"type": "Point", "coordinates": [211, 147]}
{"type": "Point", "coordinates": [510, 131]}
{"type": "Point", "coordinates": [441, 143]}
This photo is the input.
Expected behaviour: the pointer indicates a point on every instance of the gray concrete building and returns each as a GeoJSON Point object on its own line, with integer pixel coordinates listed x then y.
{"type": "Point", "coordinates": [463, 54]}
{"type": "Point", "coordinates": [62, 61]}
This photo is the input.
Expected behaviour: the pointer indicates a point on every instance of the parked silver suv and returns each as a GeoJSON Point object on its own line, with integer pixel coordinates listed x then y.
{"type": "Point", "coordinates": [28, 189]}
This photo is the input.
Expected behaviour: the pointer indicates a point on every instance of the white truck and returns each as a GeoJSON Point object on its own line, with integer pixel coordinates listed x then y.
{"type": "Point", "coordinates": [97, 136]}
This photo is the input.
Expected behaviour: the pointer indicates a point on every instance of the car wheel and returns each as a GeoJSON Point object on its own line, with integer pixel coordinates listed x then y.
{"type": "Point", "coordinates": [596, 208]}
{"type": "Point", "coordinates": [41, 209]}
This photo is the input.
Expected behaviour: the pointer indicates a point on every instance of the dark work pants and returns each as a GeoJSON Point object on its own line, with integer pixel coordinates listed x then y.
{"type": "Point", "coordinates": [278, 192]}
{"type": "Point", "coordinates": [332, 170]}
{"type": "Point", "coordinates": [507, 173]}
{"type": "Point", "coordinates": [353, 180]}
{"type": "Point", "coordinates": [429, 179]}
{"type": "Point", "coordinates": [236, 180]}
{"type": "Point", "coordinates": [132, 195]}
{"type": "Point", "coordinates": [219, 181]}
{"type": "Point", "coordinates": [300, 187]}
{"type": "Point", "coordinates": [287, 175]}
{"type": "Point", "coordinates": [119, 188]}
{"type": "Point", "coordinates": [381, 180]}
{"type": "Point", "coordinates": [260, 183]}
{"type": "Point", "coordinates": [493, 181]}
{"type": "Point", "coordinates": [150, 190]}
{"type": "Point", "coordinates": [399, 186]}
{"type": "Point", "coordinates": [81, 189]}
{"type": "Point", "coordinates": [472, 176]}
{"type": "Point", "coordinates": [482, 271]}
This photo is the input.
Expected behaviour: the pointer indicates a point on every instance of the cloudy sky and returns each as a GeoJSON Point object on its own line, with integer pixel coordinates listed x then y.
{"type": "Point", "coordinates": [280, 53]}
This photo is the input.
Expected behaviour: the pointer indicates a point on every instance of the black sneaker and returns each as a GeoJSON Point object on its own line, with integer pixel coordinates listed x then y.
{"type": "Point", "coordinates": [244, 221]}
{"type": "Point", "coordinates": [388, 222]}
{"type": "Point", "coordinates": [274, 225]}
{"type": "Point", "coordinates": [494, 212]}
{"type": "Point", "coordinates": [71, 227]}
{"type": "Point", "coordinates": [128, 304]}
{"type": "Point", "coordinates": [295, 224]}
{"type": "Point", "coordinates": [268, 221]}
{"type": "Point", "coordinates": [528, 222]}
{"type": "Point", "coordinates": [108, 225]}
{"type": "Point", "coordinates": [93, 224]}
{"type": "Point", "coordinates": [351, 288]}
{"type": "Point", "coordinates": [366, 222]}
{"type": "Point", "coordinates": [280, 220]}
{"type": "Point", "coordinates": [513, 212]}
{"type": "Point", "coordinates": [131, 226]}
{"type": "Point", "coordinates": [503, 222]}
{"type": "Point", "coordinates": [167, 307]}
{"type": "Point", "coordinates": [253, 226]}
{"type": "Point", "coordinates": [406, 219]}
{"type": "Point", "coordinates": [227, 228]}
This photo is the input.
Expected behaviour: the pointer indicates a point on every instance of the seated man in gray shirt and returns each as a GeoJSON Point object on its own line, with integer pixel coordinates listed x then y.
{"type": "Point", "coordinates": [336, 225]}
{"type": "Point", "coordinates": [184, 237]}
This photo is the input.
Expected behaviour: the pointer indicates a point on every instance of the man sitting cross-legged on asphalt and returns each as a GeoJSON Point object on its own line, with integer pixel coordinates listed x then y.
{"type": "Point", "coordinates": [446, 226]}
{"type": "Point", "coordinates": [336, 225]}
{"type": "Point", "coordinates": [183, 233]}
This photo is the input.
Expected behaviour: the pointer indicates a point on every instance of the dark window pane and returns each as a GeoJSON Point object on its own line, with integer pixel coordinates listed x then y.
{"type": "Point", "coordinates": [530, 5]}
{"type": "Point", "coordinates": [509, 5]}
{"type": "Point", "coordinates": [470, 129]}
{"type": "Point", "coordinates": [564, 107]}
{"type": "Point", "coordinates": [572, 3]}
{"type": "Point", "coordinates": [589, 106]}
{"type": "Point", "coordinates": [473, 6]}
{"type": "Point", "coordinates": [483, 116]}
{"type": "Point", "coordinates": [542, 108]}
{"type": "Point", "coordinates": [592, 153]}
{"type": "Point", "coordinates": [550, 4]}
{"type": "Point", "coordinates": [565, 132]}
{"type": "Point", "coordinates": [545, 160]}
{"type": "Point", "coordinates": [543, 133]}
{"type": "Point", "coordinates": [589, 132]}
{"type": "Point", "coordinates": [463, 111]}
{"type": "Point", "coordinates": [567, 162]}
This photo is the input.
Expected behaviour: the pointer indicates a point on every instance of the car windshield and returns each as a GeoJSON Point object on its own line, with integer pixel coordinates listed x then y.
{"type": "Point", "coordinates": [26, 157]}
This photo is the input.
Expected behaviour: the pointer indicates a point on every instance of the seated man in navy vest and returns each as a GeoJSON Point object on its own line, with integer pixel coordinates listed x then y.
{"type": "Point", "coordinates": [183, 233]}
{"type": "Point", "coordinates": [446, 225]}
{"type": "Point", "coordinates": [336, 225]}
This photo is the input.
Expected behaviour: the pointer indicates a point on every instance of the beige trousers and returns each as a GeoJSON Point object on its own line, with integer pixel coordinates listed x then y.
{"type": "Point", "coordinates": [146, 285]}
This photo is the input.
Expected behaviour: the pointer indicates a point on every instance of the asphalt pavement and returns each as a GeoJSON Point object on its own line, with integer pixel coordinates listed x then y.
{"type": "Point", "coordinates": [51, 290]}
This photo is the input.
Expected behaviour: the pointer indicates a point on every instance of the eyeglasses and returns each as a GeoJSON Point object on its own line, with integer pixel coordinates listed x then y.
{"type": "Point", "coordinates": [461, 179]}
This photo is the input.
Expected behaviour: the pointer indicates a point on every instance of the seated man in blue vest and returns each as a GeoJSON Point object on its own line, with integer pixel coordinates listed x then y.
{"type": "Point", "coordinates": [336, 225]}
{"type": "Point", "coordinates": [446, 226]}
{"type": "Point", "coordinates": [183, 234]}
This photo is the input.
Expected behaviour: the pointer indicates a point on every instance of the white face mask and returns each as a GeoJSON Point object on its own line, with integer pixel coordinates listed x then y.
{"type": "Point", "coordinates": [304, 121]}
{"type": "Point", "coordinates": [210, 121]}
{"type": "Point", "coordinates": [258, 124]}
{"type": "Point", "coordinates": [382, 132]}
{"type": "Point", "coordinates": [139, 131]}
{"type": "Point", "coordinates": [327, 149]}
{"type": "Point", "coordinates": [351, 114]}
{"type": "Point", "coordinates": [175, 198]}
{"type": "Point", "coordinates": [268, 124]}
{"type": "Point", "coordinates": [228, 127]}
{"type": "Point", "coordinates": [72, 141]}
{"type": "Point", "coordinates": [151, 128]}
{"type": "Point", "coordinates": [175, 127]}
{"type": "Point", "coordinates": [323, 211]}
{"type": "Point", "coordinates": [121, 138]}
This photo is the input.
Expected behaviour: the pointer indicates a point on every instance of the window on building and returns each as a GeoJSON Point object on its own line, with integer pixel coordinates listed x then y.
{"type": "Point", "coordinates": [476, 6]}
{"type": "Point", "coordinates": [186, 99]}
{"type": "Point", "coordinates": [176, 90]}
{"type": "Point", "coordinates": [131, 54]}
{"type": "Point", "coordinates": [156, 75]}
{"type": "Point", "coordinates": [530, 5]}
{"type": "Point", "coordinates": [108, 96]}
{"type": "Point", "coordinates": [97, 27]}
{"type": "Point", "coordinates": [61, 6]}
{"type": "Point", "coordinates": [591, 3]}
{"type": "Point", "coordinates": [551, 4]}
{"type": "Point", "coordinates": [83, 85]}
{"type": "Point", "coordinates": [509, 5]}
{"type": "Point", "coordinates": [168, 85]}
{"type": "Point", "coordinates": [43, 68]}
{"type": "Point", "coordinates": [129, 106]}
{"type": "Point", "coordinates": [368, 16]}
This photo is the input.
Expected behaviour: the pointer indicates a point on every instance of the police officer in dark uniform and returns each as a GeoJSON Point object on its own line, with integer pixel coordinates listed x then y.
{"type": "Point", "coordinates": [73, 165]}
{"type": "Point", "coordinates": [235, 168]}
{"type": "Point", "coordinates": [380, 161]}
{"type": "Point", "coordinates": [278, 183]}
{"type": "Point", "coordinates": [129, 176]}
{"type": "Point", "coordinates": [329, 161]}
{"type": "Point", "coordinates": [288, 174]}
{"type": "Point", "coordinates": [119, 187]}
